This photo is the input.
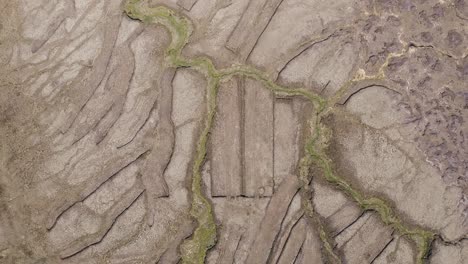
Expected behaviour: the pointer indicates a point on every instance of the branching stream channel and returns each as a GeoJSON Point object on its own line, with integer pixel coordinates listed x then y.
{"type": "Point", "coordinates": [195, 248]}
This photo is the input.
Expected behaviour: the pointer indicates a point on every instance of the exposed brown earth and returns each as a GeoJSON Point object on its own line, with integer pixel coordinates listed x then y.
{"type": "Point", "coordinates": [100, 132]}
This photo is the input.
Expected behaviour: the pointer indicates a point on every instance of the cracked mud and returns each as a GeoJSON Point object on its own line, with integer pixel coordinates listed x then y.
{"type": "Point", "coordinates": [189, 131]}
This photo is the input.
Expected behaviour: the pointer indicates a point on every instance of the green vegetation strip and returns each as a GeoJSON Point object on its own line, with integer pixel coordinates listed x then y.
{"type": "Point", "coordinates": [306, 199]}
{"type": "Point", "coordinates": [194, 249]}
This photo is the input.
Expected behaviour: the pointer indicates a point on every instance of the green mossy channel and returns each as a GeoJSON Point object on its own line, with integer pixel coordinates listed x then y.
{"type": "Point", "coordinates": [195, 248]}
